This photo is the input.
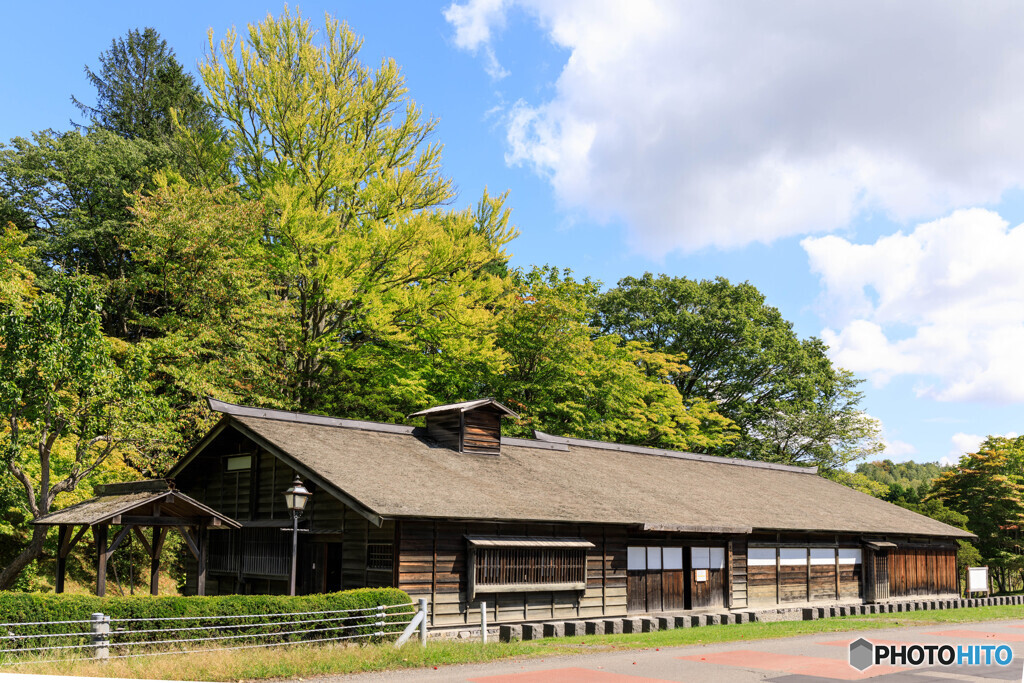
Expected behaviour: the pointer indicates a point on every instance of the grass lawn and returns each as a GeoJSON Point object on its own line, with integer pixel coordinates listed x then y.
{"type": "Point", "coordinates": [305, 661]}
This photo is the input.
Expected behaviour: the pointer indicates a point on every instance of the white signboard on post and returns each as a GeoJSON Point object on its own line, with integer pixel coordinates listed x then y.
{"type": "Point", "coordinates": [977, 579]}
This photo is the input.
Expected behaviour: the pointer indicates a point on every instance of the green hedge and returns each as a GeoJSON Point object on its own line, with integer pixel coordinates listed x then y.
{"type": "Point", "coordinates": [25, 608]}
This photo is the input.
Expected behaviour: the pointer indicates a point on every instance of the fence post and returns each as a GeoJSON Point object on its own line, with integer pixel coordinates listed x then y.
{"type": "Point", "coordinates": [100, 635]}
{"type": "Point", "coordinates": [423, 623]}
{"type": "Point", "coordinates": [483, 621]}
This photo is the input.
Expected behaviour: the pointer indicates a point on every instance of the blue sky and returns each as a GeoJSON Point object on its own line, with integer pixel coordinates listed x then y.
{"type": "Point", "coordinates": [862, 164]}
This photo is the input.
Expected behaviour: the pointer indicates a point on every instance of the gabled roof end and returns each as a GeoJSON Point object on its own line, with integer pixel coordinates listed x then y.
{"type": "Point", "coordinates": [466, 405]}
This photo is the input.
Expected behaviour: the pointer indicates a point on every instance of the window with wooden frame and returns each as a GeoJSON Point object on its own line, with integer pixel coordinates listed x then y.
{"type": "Point", "coordinates": [510, 564]}
{"type": "Point", "coordinates": [379, 556]}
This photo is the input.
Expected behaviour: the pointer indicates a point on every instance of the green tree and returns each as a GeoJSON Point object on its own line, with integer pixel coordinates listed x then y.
{"type": "Point", "coordinates": [988, 488]}
{"type": "Point", "coordinates": [790, 404]}
{"type": "Point", "coordinates": [361, 246]}
{"type": "Point", "coordinates": [565, 379]}
{"type": "Point", "coordinates": [70, 398]}
{"type": "Point", "coordinates": [16, 276]}
{"type": "Point", "coordinates": [70, 194]}
{"type": "Point", "coordinates": [139, 84]}
{"type": "Point", "coordinates": [207, 313]}
{"type": "Point", "coordinates": [909, 475]}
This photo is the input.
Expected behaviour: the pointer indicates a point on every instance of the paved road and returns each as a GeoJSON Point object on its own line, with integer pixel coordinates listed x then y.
{"type": "Point", "coordinates": [822, 657]}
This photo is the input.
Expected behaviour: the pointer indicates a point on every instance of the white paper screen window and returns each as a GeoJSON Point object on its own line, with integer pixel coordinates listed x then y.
{"type": "Point", "coordinates": [849, 556]}
{"type": "Point", "coordinates": [673, 558]}
{"type": "Point", "coordinates": [823, 556]}
{"type": "Point", "coordinates": [701, 558]}
{"type": "Point", "coordinates": [653, 558]}
{"type": "Point", "coordinates": [717, 558]}
{"type": "Point", "coordinates": [789, 557]}
{"type": "Point", "coordinates": [761, 557]}
{"type": "Point", "coordinates": [636, 558]}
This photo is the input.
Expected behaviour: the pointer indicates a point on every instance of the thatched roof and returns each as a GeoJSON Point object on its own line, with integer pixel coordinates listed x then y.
{"type": "Point", "coordinates": [397, 472]}
{"type": "Point", "coordinates": [134, 499]}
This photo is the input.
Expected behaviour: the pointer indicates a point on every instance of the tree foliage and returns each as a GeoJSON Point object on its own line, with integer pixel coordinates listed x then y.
{"type": "Point", "coordinates": [16, 277]}
{"type": "Point", "coordinates": [564, 378]}
{"type": "Point", "coordinates": [790, 404]}
{"type": "Point", "coordinates": [361, 246]}
{"type": "Point", "coordinates": [139, 84]}
{"type": "Point", "coordinates": [988, 488]}
{"type": "Point", "coordinates": [908, 475]}
{"type": "Point", "coordinates": [69, 397]}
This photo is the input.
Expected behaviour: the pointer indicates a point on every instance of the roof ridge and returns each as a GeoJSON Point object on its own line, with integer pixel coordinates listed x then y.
{"type": "Point", "coordinates": [305, 418]}
{"type": "Point", "coordinates": [541, 439]}
{"type": "Point", "coordinates": [364, 425]}
{"type": "Point", "coordinates": [664, 453]}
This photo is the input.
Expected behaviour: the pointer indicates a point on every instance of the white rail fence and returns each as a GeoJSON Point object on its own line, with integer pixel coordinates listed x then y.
{"type": "Point", "coordinates": [105, 637]}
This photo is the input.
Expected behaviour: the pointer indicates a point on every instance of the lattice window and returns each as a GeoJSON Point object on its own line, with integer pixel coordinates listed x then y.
{"type": "Point", "coordinates": [379, 556]}
{"type": "Point", "coordinates": [530, 566]}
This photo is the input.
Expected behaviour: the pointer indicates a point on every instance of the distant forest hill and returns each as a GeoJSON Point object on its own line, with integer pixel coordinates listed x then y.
{"type": "Point", "coordinates": [909, 476]}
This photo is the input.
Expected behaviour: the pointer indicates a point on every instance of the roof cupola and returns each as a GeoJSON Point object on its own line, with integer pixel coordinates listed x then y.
{"type": "Point", "coordinates": [468, 427]}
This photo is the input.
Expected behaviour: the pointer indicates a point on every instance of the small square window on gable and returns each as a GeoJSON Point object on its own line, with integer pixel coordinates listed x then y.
{"type": "Point", "coordinates": [469, 427]}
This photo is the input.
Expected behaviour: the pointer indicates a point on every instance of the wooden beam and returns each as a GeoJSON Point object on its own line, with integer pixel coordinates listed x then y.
{"type": "Point", "coordinates": [142, 539]}
{"type": "Point", "coordinates": [778, 577]}
{"type": "Point", "coordinates": [808, 575]}
{"type": "Point", "coordinates": [99, 534]}
{"type": "Point", "coordinates": [154, 566]}
{"type": "Point", "coordinates": [728, 575]}
{"type": "Point", "coordinates": [204, 553]}
{"type": "Point", "coordinates": [125, 530]}
{"type": "Point", "coordinates": [63, 531]}
{"type": "Point", "coordinates": [839, 588]}
{"type": "Point", "coordinates": [190, 541]}
{"type": "Point", "coordinates": [69, 545]}
{"type": "Point", "coordinates": [163, 521]}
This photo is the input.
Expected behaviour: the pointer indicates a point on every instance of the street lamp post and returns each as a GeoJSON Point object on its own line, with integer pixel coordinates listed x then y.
{"type": "Point", "coordinates": [296, 498]}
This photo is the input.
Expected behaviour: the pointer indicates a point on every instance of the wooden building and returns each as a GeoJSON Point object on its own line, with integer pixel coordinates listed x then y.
{"type": "Point", "coordinates": [543, 528]}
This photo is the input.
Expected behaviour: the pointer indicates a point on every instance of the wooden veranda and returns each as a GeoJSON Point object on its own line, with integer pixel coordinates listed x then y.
{"type": "Point", "coordinates": [134, 506]}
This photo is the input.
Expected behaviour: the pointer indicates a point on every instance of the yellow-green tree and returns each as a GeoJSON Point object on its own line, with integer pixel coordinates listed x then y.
{"type": "Point", "coordinates": [361, 245]}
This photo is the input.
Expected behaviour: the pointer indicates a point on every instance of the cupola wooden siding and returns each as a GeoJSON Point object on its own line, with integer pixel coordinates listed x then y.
{"type": "Point", "coordinates": [469, 427]}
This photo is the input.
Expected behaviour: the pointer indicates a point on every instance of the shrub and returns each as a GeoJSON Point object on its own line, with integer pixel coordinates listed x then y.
{"type": "Point", "coordinates": [22, 609]}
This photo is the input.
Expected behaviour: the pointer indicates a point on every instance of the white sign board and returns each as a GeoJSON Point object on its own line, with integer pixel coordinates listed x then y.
{"type": "Point", "coordinates": [977, 579]}
{"type": "Point", "coordinates": [700, 575]}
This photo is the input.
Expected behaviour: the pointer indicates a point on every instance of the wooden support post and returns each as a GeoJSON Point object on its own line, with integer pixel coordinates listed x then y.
{"type": "Point", "coordinates": [202, 536]}
{"type": "Point", "coordinates": [99, 535]}
{"type": "Point", "coordinates": [808, 575]}
{"type": "Point", "coordinates": [62, 536]}
{"type": "Point", "coordinates": [159, 533]}
{"type": "Point", "coordinates": [778, 577]}
{"type": "Point", "coordinates": [839, 588]}
{"type": "Point", "coordinates": [728, 575]}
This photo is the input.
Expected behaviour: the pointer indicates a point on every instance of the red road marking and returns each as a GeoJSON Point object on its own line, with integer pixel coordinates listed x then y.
{"type": "Point", "coordinates": [822, 667]}
{"type": "Point", "coordinates": [568, 675]}
{"type": "Point", "coordinates": [979, 635]}
{"type": "Point", "coordinates": [846, 643]}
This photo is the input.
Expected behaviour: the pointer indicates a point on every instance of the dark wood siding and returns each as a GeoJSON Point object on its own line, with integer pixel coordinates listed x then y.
{"type": "Point", "coordinates": [921, 571]}
{"type": "Point", "coordinates": [445, 429]}
{"type": "Point", "coordinates": [432, 563]}
{"type": "Point", "coordinates": [482, 432]}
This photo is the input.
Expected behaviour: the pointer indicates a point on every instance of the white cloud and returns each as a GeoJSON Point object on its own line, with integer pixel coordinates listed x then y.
{"type": "Point", "coordinates": [724, 123]}
{"type": "Point", "coordinates": [944, 302]}
{"type": "Point", "coordinates": [473, 22]}
{"type": "Point", "coordinates": [898, 449]}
